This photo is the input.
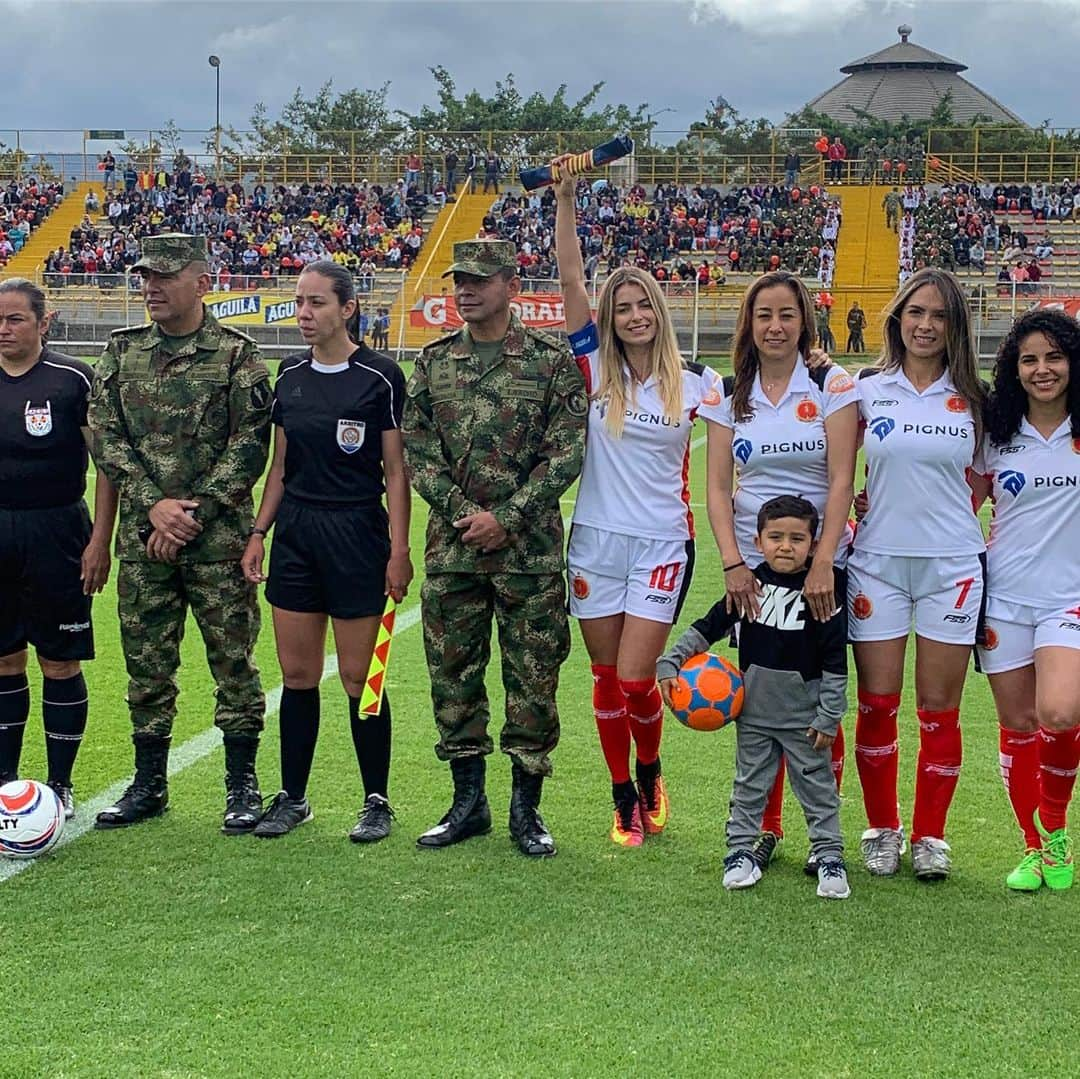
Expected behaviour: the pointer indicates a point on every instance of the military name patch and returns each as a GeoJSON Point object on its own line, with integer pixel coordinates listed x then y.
{"type": "Point", "coordinates": [443, 378]}
{"type": "Point", "coordinates": [350, 435]}
{"type": "Point", "coordinates": [525, 387]}
{"type": "Point", "coordinates": [38, 420]}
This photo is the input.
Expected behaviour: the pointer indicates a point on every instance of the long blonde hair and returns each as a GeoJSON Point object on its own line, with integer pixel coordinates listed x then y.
{"type": "Point", "coordinates": [665, 361]}
{"type": "Point", "coordinates": [960, 360]}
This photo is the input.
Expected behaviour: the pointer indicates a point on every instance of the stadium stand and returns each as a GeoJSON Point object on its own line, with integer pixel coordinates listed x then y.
{"type": "Point", "coordinates": [24, 205]}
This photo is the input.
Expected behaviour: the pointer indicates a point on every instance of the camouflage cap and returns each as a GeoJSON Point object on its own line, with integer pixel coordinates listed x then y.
{"type": "Point", "coordinates": [483, 258]}
{"type": "Point", "coordinates": [170, 252]}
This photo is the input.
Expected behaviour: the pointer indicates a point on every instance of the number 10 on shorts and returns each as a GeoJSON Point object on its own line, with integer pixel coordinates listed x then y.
{"type": "Point", "coordinates": [665, 578]}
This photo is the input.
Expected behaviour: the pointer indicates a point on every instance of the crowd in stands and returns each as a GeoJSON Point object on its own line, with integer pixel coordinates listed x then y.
{"type": "Point", "coordinates": [677, 232]}
{"type": "Point", "coordinates": [254, 235]}
{"type": "Point", "coordinates": [973, 227]}
{"type": "Point", "coordinates": [24, 204]}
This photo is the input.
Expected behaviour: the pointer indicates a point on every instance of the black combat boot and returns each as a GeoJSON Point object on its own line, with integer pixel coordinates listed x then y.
{"type": "Point", "coordinates": [243, 799]}
{"type": "Point", "coordinates": [527, 827]}
{"type": "Point", "coordinates": [469, 814]}
{"type": "Point", "coordinates": [148, 793]}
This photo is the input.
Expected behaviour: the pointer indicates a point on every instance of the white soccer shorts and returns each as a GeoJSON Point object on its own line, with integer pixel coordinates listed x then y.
{"type": "Point", "coordinates": [611, 573]}
{"type": "Point", "coordinates": [887, 593]}
{"type": "Point", "coordinates": [1014, 631]}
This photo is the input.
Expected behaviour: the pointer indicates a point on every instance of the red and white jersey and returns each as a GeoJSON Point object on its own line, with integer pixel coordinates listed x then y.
{"type": "Point", "coordinates": [1032, 554]}
{"type": "Point", "coordinates": [782, 450]}
{"type": "Point", "coordinates": [637, 485]}
{"type": "Point", "coordinates": [919, 447]}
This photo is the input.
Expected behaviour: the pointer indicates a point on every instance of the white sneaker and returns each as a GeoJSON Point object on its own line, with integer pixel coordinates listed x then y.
{"type": "Point", "coordinates": [832, 879]}
{"type": "Point", "coordinates": [930, 858]}
{"type": "Point", "coordinates": [881, 850]}
{"type": "Point", "coordinates": [740, 870]}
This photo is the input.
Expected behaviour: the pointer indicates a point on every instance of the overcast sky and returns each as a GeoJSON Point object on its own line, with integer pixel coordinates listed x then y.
{"type": "Point", "coordinates": [74, 64]}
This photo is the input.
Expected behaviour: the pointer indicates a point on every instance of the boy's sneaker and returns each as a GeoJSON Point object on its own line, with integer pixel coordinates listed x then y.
{"type": "Point", "coordinates": [765, 849]}
{"type": "Point", "coordinates": [832, 879]}
{"type": "Point", "coordinates": [1057, 857]}
{"type": "Point", "coordinates": [373, 823]}
{"type": "Point", "coordinates": [627, 829]}
{"type": "Point", "coordinates": [283, 816]}
{"type": "Point", "coordinates": [740, 870]}
{"type": "Point", "coordinates": [64, 792]}
{"type": "Point", "coordinates": [930, 858]}
{"type": "Point", "coordinates": [1028, 875]}
{"type": "Point", "coordinates": [655, 806]}
{"type": "Point", "coordinates": [881, 850]}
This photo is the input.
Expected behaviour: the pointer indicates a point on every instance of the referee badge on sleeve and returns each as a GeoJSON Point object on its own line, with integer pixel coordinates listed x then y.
{"type": "Point", "coordinates": [38, 420]}
{"type": "Point", "coordinates": [350, 435]}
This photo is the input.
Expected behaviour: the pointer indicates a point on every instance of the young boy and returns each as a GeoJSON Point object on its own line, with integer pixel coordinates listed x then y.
{"type": "Point", "coordinates": [795, 676]}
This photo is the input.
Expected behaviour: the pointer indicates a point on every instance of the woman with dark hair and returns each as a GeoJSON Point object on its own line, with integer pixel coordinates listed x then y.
{"type": "Point", "coordinates": [337, 552]}
{"type": "Point", "coordinates": [631, 550]}
{"type": "Point", "coordinates": [1029, 464]}
{"type": "Point", "coordinates": [52, 561]}
{"type": "Point", "coordinates": [786, 429]}
{"type": "Point", "coordinates": [918, 556]}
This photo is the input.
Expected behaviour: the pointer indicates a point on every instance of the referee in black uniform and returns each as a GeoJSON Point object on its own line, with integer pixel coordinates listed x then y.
{"type": "Point", "coordinates": [337, 552]}
{"type": "Point", "coordinates": [52, 560]}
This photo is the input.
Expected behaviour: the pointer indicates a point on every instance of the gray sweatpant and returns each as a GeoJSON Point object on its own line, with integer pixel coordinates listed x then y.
{"type": "Point", "coordinates": [757, 757]}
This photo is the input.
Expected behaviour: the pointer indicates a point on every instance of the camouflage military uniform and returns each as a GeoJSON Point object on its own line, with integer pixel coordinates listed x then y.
{"type": "Point", "coordinates": [506, 436]}
{"type": "Point", "coordinates": [193, 423]}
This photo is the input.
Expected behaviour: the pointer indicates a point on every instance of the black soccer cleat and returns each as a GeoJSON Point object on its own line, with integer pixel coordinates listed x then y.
{"type": "Point", "coordinates": [283, 816]}
{"type": "Point", "coordinates": [764, 850]}
{"type": "Point", "coordinates": [374, 821]}
{"type": "Point", "coordinates": [64, 792]}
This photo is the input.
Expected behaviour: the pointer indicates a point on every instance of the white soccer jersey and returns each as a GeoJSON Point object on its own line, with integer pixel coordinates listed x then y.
{"type": "Point", "coordinates": [1033, 555]}
{"type": "Point", "coordinates": [919, 447]}
{"type": "Point", "coordinates": [781, 449]}
{"type": "Point", "coordinates": [637, 485]}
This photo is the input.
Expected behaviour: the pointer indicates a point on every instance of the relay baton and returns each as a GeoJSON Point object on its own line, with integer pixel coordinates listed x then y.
{"type": "Point", "coordinates": [619, 146]}
{"type": "Point", "coordinates": [375, 683]}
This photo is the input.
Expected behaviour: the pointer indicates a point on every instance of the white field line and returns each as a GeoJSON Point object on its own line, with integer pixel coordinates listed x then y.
{"type": "Point", "coordinates": [191, 752]}
{"type": "Point", "coordinates": [201, 745]}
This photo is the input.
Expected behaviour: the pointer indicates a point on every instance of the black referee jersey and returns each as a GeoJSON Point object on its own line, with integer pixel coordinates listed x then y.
{"type": "Point", "coordinates": [333, 418]}
{"type": "Point", "coordinates": [43, 455]}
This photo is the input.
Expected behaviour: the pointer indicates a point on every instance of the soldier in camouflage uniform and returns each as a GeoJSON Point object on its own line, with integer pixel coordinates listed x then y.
{"type": "Point", "coordinates": [494, 434]}
{"type": "Point", "coordinates": [180, 415]}
{"type": "Point", "coordinates": [891, 204]}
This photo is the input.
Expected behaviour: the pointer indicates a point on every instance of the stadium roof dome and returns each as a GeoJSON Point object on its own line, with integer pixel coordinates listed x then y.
{"type": "Point", "coordinates": [906, 79]}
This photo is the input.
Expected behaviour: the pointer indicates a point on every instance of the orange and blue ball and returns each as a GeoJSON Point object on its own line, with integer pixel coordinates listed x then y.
{"type": "Point", "coordinates": [708, 693]}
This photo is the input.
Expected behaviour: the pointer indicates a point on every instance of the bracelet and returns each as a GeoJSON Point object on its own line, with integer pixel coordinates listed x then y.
{"type": "Point", "coordinates": [734, 565]}
{"type": "Point", "coordinates": [257, 532]}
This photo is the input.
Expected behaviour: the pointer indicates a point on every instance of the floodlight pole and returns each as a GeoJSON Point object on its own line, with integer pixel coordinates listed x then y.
{"type": "Point", "coordinates": [215, 63]}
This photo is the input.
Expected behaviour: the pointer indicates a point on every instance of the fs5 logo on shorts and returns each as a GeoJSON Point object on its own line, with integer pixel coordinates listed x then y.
{"type": "Point", "coordinates": [882, 427]}
{"type": "Point", "coordinates": [350, 435]}
{"type": "Point", "coordinates": [38, 420]}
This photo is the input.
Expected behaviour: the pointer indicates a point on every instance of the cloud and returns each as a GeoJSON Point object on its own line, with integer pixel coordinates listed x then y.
{"type": "Point", "coordinates": [256, 35]}
{"type": "Point", "coordinates": [784, 16]}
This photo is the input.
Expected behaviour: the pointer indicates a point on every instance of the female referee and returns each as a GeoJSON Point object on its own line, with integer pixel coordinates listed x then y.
{"type": "Point", "coordinates": [1030, 465]}
{"type": "Point", "coordinates": [918, 556]}
{"type": "Point", "coordinates": [51, 560]}
{"type": "Point", "coordinates": [631, 550]}
{"type": "Point", "coordinates": [337, 553]}
{"type": "Point", "coordinates": [785, 429]}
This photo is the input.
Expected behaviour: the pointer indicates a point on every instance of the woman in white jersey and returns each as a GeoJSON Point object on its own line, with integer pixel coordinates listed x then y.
{"type": "Point", "coordinates": [631, 550]}
{"type": "Point", "coordinates": [919, 557]}
{"type": "Point", "coordinates": [785, 429]}
{"type": "Point", "coordinates": [1030, 464]}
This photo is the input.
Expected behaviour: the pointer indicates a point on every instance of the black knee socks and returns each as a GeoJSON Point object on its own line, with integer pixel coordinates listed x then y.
{"type": "Point", "coordinates": [371, 740]}
{"type": "Point", "coordinates": [298, 721]}
{"type": "Point", "coordinates": [63, 705]}
{"type": "Point", "coordinates": [14, 711]}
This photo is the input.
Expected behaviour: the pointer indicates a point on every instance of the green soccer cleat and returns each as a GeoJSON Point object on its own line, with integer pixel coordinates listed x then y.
{"type": "Point", "coordinates": [1057, 857]}
{"type": "Point", "coordinates": [1028, 875]}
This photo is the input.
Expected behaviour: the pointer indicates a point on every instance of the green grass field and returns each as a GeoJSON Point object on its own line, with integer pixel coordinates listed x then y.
{"type": "Point", "coordinates": [169, 950]}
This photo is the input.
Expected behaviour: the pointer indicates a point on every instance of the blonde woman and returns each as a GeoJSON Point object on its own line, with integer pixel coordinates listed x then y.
{"type": "Point", "coordinates": [631, 549]}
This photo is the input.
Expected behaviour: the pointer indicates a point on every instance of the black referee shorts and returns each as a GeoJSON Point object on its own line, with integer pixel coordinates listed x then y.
{"type": "Point", "coordinates": [330, 561]}
{"type": "Point", "coordinates": [41, 596]}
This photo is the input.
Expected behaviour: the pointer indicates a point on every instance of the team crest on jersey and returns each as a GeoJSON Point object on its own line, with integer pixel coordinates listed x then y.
{"type": "Point", "coordinates": [38, 420]}
{"type": "Point", "coordinates": [350, 435]}
{"type": "Point", "coordinates": [861, 607]}
{"type": "Point", "coordinates": [580, 587]}
{"type": "Point", "coordinates": [806, 410]}
{"type": "Point", "coordinates": [742, 448]}
{"type": "Point", "coordinates": [956, 403]}
{"type": "Point", "coordinates": [1076, 445]}
{"type": "Point", "coordinates": [991, 638]}
{"type": "Point", "coordinates": [841, 382]}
